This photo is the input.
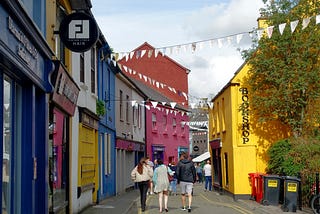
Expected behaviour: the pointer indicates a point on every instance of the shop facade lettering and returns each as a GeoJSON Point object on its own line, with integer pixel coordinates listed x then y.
{"type": "Point", "coordinates": [244, 109]}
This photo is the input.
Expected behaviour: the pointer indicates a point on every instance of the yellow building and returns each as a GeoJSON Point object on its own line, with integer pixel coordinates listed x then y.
{"type": "Point", "coordinates": [238, 143]}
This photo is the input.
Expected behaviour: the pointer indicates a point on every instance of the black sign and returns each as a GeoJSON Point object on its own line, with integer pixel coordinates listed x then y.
{"type": "Point", "coordinates": [196, 148]}
{"type": "Point", "coordinates": [79, 32]}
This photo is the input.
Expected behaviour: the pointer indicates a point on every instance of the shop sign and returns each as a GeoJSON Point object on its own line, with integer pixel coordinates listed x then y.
{"type": "Point", "coordinates": [79, 31]}
{"type": "Point", "coordinates": [244, 109]}
{"type": "Point", "coordinates": [66, 90]}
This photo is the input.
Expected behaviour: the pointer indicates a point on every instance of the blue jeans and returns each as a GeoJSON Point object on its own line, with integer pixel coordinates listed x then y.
{"type": "Point", "coordinates": [208, 183]}
{"type": "Point", "coordinates": [173, 186]}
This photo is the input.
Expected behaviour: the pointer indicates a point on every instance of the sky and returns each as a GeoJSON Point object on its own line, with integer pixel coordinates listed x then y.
{"type": "Point", "coordinates": [127, 24]}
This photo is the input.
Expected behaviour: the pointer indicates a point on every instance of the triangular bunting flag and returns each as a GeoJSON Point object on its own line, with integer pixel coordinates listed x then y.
{"type": "Point", "coordinates": [239, 37]}
{"type": "Point", "coordinates": [173, 104]}
{"type": "Point", "coordinates": [317, 19]}
{"type": "Point", "coordinates": [154, 104]}
{"type": "Point", "coordinates": [163, 103]}
{"type": "Point", "coordinates": [143, 52]}
{"type": "Point", "coordinates": [281, 27]}
{"type": "Point", "coordinates": [259, 33]}
{"type": "Point", "coordinates": [305, 22]}
{"type": "Point", "coordinates": [156, 52]}
{"type": "Point", "coordinates": [131, 54]}
{"type": "Point", "coordinates": [293, 25]}
{"type": "Point", "coordinates": [150, 52]}
{"type": "Point", "coordinates": [270, 31]}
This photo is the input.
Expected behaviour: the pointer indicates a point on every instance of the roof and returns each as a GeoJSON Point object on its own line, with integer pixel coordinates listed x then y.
{"type": "Point", "coordinates": [202, 157]}
{"type": "Point", "coordinates": [147, 46]}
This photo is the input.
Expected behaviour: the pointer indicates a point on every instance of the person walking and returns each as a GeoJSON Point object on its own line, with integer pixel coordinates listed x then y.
{"type": "Point", "coordinates": [207, 173]}
{"type": "Point", "coordinates": [186, 175]}
{"type": "Point", "coordinates": [173, 183]}
{"type": "Point", "coordinates": [161, 184]}
{"type": "Point", "coordinates": [142, 174]}
{"type": "Point", "coordinates": [199, 172]}
{"type": "Point", "coordinates": [150, 163]}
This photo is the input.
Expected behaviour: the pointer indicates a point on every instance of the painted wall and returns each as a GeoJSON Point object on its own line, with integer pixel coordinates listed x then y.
{"type": "Point", "coordinates": [130, 138]}
{"type": "Point", "coordinates": [107, 132]}
{"type": "Point", "coordinates": [244, 141]}
{"type": "Point", "coordinates": [166, 136]}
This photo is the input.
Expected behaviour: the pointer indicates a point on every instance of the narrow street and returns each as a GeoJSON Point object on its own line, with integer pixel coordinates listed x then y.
{"type": "Point", "coordinates": [203, 202]}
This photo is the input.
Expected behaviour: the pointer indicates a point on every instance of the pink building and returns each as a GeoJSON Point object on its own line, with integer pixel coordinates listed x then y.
{"type": "Point", "coordinates": [166, 131]}
{"type": "Point", "coordinates": [165, 82]}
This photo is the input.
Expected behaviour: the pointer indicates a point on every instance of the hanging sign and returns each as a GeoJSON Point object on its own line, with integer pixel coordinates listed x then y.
{"type": "Point", "coordinates": [79, 32]}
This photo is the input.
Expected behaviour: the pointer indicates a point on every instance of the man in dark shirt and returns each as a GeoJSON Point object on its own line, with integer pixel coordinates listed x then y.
{"type": "Point", "coordinates": [186, 175]}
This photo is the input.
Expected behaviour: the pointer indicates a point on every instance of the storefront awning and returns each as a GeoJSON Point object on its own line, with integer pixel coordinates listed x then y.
{"type": "Point", "coordinates": [202, 157]}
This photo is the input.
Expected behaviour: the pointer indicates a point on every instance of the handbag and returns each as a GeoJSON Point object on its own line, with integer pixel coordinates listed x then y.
{"type": "Point", "coordinates": [170, 177]}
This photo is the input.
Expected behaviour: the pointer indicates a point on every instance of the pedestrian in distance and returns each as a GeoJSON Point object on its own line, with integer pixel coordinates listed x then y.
{"type": "Point", "coordinates": [186, 175]}
{"type": "Point", "coordinates": [161, 184]}
{"type": "Point", "coordinates": [142, 174]}
{"type": "Point", "coordinates": [199, 173]}
{"type": "Point", "coordinates": [208, 176]}
{"type": "Point", "coordinates": [173, 183]}
{"type": "Point", "coordinates": [150, 163]}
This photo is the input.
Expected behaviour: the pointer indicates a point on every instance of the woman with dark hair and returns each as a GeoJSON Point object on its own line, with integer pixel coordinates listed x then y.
{"type": "Point", "coordinates": [161, 184]}
{"type": "Point", "coordinates": [142, 174]}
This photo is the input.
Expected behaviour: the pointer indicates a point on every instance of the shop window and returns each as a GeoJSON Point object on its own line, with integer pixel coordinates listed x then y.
{"type": "Point", "coordinates": [12, 152]}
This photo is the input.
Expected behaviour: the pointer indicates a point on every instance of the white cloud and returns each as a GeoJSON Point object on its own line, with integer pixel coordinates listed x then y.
{"type": "Point", "coordinates": [211, 68]}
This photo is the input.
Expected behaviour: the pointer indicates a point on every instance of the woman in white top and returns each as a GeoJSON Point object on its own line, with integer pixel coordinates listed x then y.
{"type": "Point", "coordinates": [161, 183]}
{"type": "Point", "coordinates": [142, 174]}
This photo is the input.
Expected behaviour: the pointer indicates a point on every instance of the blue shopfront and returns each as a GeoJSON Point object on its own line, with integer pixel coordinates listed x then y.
{"type": "Point", "coordinates": [25, 67]}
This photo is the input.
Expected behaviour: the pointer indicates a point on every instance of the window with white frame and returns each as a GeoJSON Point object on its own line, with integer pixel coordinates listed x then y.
{"type": "Point", "coordinates": [154, 121]}
{"type": "Point", "coordinates": [121, 105]}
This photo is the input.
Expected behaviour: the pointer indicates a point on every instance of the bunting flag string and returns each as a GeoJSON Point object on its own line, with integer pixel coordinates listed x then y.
{"type": "Point", "coordinates": [219, 42]}
{"type": "Point", "coordinates": [198, 45]}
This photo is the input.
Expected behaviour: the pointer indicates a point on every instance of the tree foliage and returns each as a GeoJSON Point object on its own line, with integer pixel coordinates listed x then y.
{"type": "Point", "coordinates": [285, 69]}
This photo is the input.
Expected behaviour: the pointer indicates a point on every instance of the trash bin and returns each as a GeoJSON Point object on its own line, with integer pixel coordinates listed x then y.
{"type": "Point", "coordinates": [271, 189]}
{"type": "Point", "coordinates": [291, 193]}
{"type": "Point", "coordinates": [256, 186]}
{"type": "Point", "coordinates": [253, 186]}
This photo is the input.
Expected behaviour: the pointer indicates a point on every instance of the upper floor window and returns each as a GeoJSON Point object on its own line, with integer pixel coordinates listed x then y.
{"type": "Point", "coordinates": [135, 115]}
{"type": "Point", "coordinates": [165, 121]}
{"type": "Point", "coordinates": [182, 126]}
{"type": "Point", "coordinates": [127, 109]}
{"type": "Point", "coordinates": [36, 9]}
{"type": "Point", "coordinates": [121, 105]}
{"type": "Point", "coordinates": [82, 67]}
{"type": "Point", "coordinates": [139, 116]}
{"type": "Point", "coordinates": [174, 124]}
{"type": "Point", "coordinates": [154, 120]}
